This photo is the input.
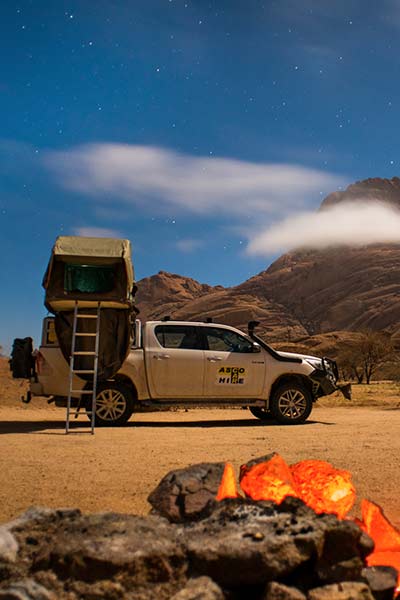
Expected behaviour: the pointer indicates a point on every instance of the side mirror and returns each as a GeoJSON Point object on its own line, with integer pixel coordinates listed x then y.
{"type": "Point", "coordinates": [256, 347]}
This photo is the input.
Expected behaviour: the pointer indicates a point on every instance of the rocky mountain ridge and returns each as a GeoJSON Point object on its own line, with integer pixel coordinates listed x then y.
{"type": "Point", "coordinates": [303, 293]}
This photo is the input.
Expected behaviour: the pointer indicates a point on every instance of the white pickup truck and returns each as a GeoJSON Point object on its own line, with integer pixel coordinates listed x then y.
{"type": "Point", "coordinates": [175, 363]}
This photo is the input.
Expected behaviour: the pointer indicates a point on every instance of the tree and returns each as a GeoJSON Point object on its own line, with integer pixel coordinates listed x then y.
{"type": "Point", "coordinates": [363, 357]}
{"type": "Point", "coordinates": [375, 349]}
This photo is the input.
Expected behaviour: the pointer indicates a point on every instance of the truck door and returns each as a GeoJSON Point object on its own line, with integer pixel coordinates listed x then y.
{"type": "Point", "coordinates": [233, 366]}
{"type": "Point", "coordinates": [175, 362]}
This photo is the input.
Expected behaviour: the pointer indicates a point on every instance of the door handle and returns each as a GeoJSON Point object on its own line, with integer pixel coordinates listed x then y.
{"type": "Point", "coordinates": [161, 356]}
{"type": "Point", "coordinates": [214, 358]}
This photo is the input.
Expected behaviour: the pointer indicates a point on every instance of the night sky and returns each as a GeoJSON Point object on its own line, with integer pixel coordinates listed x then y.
{"type": "Point", "coordinates": [186, 126]}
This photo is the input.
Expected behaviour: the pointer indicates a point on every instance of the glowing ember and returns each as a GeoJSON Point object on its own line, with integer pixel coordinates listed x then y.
{"type": "Point", "coordinates": [271, 480]}
{"type": "Point", "coordinates": [323, 487]}
{"type": "Point", "coordinates": [385, 536]}
{"type": "Point", "coordinates": [227, 488]}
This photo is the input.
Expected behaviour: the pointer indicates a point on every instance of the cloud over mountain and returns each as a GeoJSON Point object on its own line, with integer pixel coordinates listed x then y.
{"type": "Point", "coordinates": [355, 223]}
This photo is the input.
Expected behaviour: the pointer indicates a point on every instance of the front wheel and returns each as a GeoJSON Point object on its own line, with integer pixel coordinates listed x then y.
{"type": "Point", "coordinates": [114, 404]}
{"type": "Point", "coordinates": [291, 404]}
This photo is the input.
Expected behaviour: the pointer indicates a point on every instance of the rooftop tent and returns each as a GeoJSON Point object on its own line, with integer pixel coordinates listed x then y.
{"type": "Point", "coordinates": [92, 271]}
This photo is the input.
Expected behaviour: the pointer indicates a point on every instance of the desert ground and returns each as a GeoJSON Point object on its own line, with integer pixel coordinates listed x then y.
{"type": "Point", "coordinates": [117, 468]}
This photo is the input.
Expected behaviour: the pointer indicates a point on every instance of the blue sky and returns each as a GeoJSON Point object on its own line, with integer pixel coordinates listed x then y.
{"type": "Point", "coordinates": [186, 126]}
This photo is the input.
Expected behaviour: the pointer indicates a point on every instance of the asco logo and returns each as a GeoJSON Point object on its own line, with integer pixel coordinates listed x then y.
{"type": "Point", "coordinates": [231, 375]}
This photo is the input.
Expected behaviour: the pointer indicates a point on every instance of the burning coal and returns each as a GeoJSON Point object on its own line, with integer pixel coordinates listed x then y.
{"type": "Point", "coordinates": [324, 489]}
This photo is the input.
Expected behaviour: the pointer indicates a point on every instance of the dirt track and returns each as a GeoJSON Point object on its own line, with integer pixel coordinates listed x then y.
{"type": "Point", "coordinates": [117, 468]}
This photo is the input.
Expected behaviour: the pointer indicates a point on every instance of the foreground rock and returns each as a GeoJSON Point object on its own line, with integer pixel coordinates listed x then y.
{"type": "Point", "coordinates": [191, 548]}
{"type": "Point", "coordinates": [242, 550]}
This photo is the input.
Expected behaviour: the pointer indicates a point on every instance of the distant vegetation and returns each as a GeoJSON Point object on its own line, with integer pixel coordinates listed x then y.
{"type": "Point", "coordinates": [361, 358]}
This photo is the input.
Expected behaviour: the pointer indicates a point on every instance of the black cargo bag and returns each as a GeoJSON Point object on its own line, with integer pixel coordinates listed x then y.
{"type": "Point", "coordinates": [22, 362]}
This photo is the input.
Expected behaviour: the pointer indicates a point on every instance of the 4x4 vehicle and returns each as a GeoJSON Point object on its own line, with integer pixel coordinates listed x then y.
{"type": "Point", "coordinates": [174, 363]}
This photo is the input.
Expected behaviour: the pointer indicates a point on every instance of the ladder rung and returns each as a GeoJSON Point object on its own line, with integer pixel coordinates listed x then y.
{"type": "Point", "coordinates": [83, 371]}
{"type": "Point", "coordinates": [81, 353]}
{"type": "Point", "coordinates": [81, 391]}
{"type": "Point", "coordinates": [80, 316]}
{"type": "Point", "coordinates": [85, 334]}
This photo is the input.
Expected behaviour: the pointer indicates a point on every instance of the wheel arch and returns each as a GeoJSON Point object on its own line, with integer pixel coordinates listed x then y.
{"type": "Point", "coordinates": [291, 378]}
{"type": "Point", "coordinates": [123, 380]}
{"type": "Point", "coordinates": [128, 383]}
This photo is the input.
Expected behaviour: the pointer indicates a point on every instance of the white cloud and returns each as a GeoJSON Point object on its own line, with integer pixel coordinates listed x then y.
{"type": "Point", "coordinates": [165, 181]}
{"type": "Point", "coordinates": [357, 223]}
{"type": "Point", "coordinates": [97, 232]}
{"type": "Point", "coordinates": [189, 244]}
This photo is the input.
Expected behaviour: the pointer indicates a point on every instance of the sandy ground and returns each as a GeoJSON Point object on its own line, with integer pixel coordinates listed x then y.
{"type": "Point", "coordinates": [117, 467]}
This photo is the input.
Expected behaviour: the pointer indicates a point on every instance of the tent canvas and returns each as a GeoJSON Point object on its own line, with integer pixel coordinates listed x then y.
{"type": "Point", "coordinates": [90, 270]}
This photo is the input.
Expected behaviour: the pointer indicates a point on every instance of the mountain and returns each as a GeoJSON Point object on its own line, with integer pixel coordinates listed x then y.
{"type": "Point", "coordinates": [165, 293]}
{"type": "Point", "coordinates": [303, 293]}
{"type": "Point", "coordinates": [386, 190]}
{"type": "Point", "coordinates": [183, 298]}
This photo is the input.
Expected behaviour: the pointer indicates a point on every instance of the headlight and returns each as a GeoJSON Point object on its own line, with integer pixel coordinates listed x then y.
{"type": "Point", "coordinates": [316, 363]}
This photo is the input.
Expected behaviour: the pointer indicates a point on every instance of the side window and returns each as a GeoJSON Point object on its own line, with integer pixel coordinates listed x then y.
{"type": "Point", "coordinates": [178, 336]}
{"type": "Point", "coordinates": [223, 340]}
{"type": "Point", "coordinates": [49, 337]}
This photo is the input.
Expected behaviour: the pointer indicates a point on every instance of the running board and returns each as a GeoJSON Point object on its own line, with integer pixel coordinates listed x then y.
{"type": "Point", "coordinates": [189, 403]}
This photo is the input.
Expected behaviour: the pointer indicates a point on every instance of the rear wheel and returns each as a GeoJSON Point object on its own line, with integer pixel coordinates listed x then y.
{"type": "Point", "coordinates": [114, 404]}
{"type": "Point", "coordinates": [261, 413]}
{"type": "Point", "coordinates": [291, 404]}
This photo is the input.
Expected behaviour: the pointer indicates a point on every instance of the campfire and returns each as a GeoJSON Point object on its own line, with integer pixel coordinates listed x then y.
{"type": "Point", "coordinates": [324, 489]}
{"type": "Point", "coordinates": [281, 532]}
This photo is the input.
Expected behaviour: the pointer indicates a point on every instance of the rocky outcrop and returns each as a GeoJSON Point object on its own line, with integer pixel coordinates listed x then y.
{"type": "Point", "coordinates": [164, 293]}
{"type": "Point", "coordinates": [302, 294]}
{"type": "Point", "coordinates": [345, 289]}
{"type": "Point", "coordinates": [375, 188]}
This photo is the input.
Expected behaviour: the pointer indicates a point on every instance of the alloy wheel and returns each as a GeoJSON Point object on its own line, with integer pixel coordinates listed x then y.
{"type": "Point", "coordinates": [110, 404]}
{"type": "Point", "coordinates": [292, 403]}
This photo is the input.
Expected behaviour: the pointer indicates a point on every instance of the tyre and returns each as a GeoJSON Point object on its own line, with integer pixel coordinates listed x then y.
{"type": "Point", "coordinates": [261, 413]}
{"type": "Point", "coordinates": [114, 404]}
{"type": "Point", "coordinates": [291, 404]}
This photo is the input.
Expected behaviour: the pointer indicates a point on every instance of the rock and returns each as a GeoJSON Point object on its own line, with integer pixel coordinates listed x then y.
{"type": "Point", "coordinates": [382, 581]}
{"type": "Point", "coordinates": [200, 588]}
{"type": "Point", "coordinates": [252, 543]}
{"type": "Point", "coordinates": [98, 547]}
{"type": "Point", "coordinates": [279, 591]}
{"type": "Point", "coordinates": [188, 494]}
{"type": "Point", "coordinates": [8, 546]}
{"type": "Point", "coordinates": [26, 589]}
{"type": "Point", "coordinates": [241, 549]}
{"type": "Point", "coordinates": [349, 590]}
{"type": "Point", "coordinates": [345, 549]}
{"type": "Point", "coordinates": [40, 515]}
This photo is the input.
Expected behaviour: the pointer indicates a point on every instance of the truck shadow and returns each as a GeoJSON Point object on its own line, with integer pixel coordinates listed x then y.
{"type": "Point", "coordinates": [48, 427]}
{"type": "Point", "coordinates": [218, 423]}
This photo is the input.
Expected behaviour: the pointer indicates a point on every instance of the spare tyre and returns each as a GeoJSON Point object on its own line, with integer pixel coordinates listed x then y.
{"type": "Point", "coordinates": [21, 361]}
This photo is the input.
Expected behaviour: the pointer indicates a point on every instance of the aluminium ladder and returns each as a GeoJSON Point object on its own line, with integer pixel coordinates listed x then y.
{"type": "Point", "coordinates": [92, 354]}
